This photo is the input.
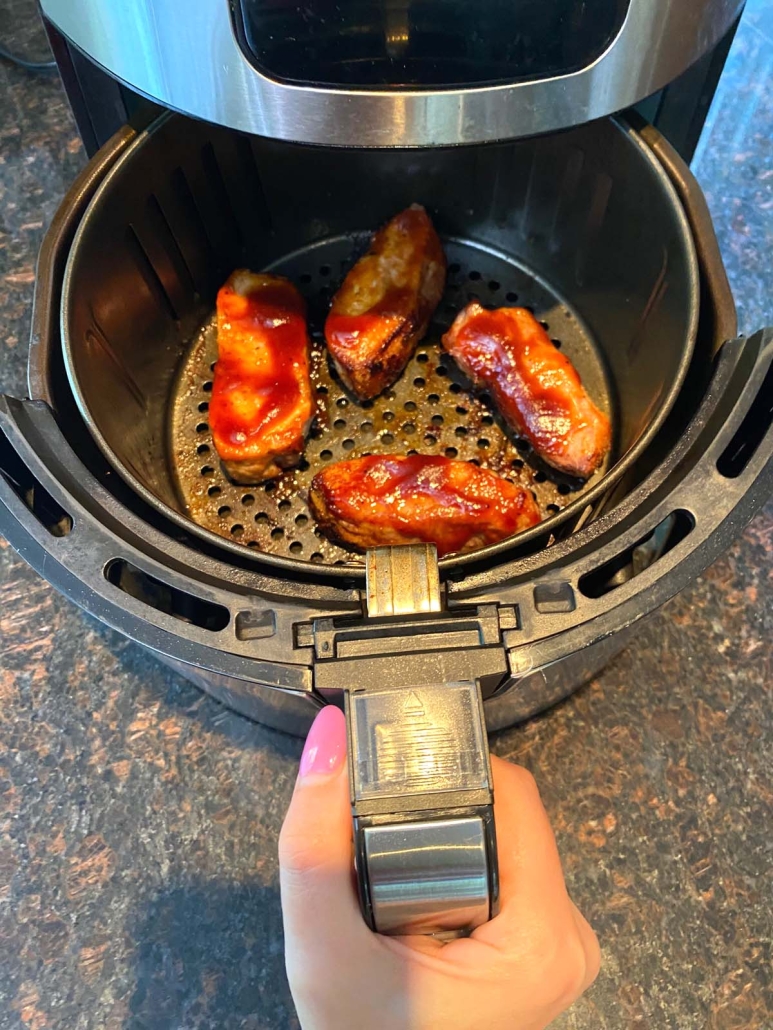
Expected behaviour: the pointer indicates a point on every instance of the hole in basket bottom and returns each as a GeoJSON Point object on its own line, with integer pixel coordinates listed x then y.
{"type": "Point", "coordinates": [165, 598]}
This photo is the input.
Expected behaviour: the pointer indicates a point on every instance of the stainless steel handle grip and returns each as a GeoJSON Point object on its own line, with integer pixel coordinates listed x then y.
{"type": "Point", "coordinates": [422, 801]}
{"type": "Point", "coordinates": [429, 876]}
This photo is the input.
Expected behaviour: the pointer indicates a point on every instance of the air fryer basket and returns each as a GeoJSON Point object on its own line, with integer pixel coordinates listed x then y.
{"type": "Point", "coordinates": [554, 224]}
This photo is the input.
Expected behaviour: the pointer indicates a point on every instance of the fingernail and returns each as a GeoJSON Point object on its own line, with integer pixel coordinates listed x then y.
{"type": "Point", "coordinates": [325, 750]}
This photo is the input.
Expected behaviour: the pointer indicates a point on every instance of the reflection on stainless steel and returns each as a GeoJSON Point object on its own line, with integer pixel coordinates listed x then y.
{"type": "Point", "coordinates": [290, 711]}
{"type": "Point", "coordinates": [538, 684]}
{"type": "Point", "coordinates": [194, 64]}
{"type": "Point", "coordinates": [428, 877]}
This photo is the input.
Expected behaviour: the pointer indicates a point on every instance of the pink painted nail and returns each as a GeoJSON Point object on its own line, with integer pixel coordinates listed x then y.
{"type": "Point", "coordinates": [325, 750]}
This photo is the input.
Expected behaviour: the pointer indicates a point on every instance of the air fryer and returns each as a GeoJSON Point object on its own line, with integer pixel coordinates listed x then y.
{"type": "Point", "coordinates": [109, 484]}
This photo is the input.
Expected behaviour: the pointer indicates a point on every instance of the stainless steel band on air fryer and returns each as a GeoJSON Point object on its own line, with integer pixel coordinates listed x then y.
{"type": "Point", "coordinates": [195, 64]}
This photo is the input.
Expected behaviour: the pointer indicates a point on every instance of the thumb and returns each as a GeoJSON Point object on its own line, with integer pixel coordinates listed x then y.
{"type": "Point", "coordinates": [321, 916]}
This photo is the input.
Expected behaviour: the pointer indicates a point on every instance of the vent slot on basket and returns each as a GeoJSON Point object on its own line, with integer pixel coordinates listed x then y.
{"type": "Point", "coordinates": [251, 179]}
{"type": "Point", "coordinates": [38, 501]}
{"type": "Point", "coordinates": [199, 237]}
{"type": "Point", "coordinates": [630, 563]}
{"type": "Point", "coordinates": [219, 195]}
{"type": "Point", "coordinates": [165, 598]}
{"type": "Point", "coordinates": [751, 432]}
{"type": "Point", "coordinates": [162, 231]}
{"type": "Point", "coordinates": [149, 274]}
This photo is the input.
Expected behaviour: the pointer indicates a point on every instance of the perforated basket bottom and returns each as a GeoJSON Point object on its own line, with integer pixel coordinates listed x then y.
{"type": "Point", "coordinates": [430, 410]}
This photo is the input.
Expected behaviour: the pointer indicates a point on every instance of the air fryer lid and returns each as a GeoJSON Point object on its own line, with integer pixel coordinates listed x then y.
{"type": "Point", "coordinates": [370, 73]}
{"type": "Point", "coordinates": [585, 227]}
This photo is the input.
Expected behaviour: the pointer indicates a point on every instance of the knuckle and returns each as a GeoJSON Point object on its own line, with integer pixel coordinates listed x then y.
{"type": "Point", "coordinates": [559, 963]}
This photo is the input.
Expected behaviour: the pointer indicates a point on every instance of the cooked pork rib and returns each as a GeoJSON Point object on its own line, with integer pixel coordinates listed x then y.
{"type": "Point", "coordinates": [262, 404]}
{"type": "Point", "coordinates": [385, 303]}
{"type": "Point", "coordinates": [535, 387]}
{"type": "Point", "coordinates": [382, 500]}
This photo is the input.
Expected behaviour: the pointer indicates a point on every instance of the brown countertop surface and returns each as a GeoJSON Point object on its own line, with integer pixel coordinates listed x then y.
{"type": "Point", "coordinates": [139, 818]}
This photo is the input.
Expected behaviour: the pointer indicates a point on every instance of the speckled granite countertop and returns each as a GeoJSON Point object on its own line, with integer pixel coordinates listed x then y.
{"type": "Point", "coordinates": [138, 819]}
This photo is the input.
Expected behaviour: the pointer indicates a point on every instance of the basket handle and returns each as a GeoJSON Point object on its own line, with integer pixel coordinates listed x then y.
{"type": "Point", "coordinates": [420, 778]}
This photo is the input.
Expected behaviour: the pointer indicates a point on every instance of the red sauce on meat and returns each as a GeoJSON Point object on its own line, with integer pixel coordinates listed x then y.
{"type": "Point", "coordinates": [535, 387]}
{"type": "Point", "coordinates": [262, 369]}
{"type": "Point", "coordinates": [422, 498]}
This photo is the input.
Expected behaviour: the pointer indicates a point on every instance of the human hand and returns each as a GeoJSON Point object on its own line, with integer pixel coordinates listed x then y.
{"type": "Point", "coordinates": [518, 971]}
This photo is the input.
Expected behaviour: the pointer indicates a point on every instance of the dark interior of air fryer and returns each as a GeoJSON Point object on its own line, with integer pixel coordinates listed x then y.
{"type": "Point", "coordinates": [581, 227]}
